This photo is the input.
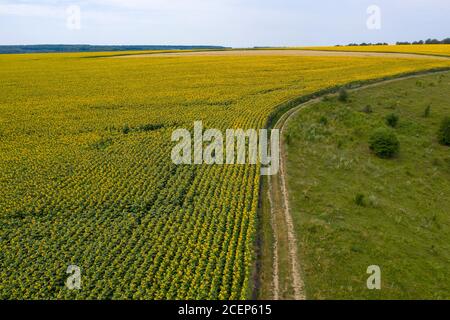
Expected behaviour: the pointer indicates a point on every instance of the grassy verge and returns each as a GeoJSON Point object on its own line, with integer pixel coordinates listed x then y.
{"type": "Point", "coordinates": [403, 222]}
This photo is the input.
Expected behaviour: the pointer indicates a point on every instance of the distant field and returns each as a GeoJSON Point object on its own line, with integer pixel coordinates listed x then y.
{"type": "Point", "coordinates": [432, 49]}
{"type": "Point", "coordinates": [86, 175]}
{"type": "Point", "coordinates": [273, 52]}
{"type": "Point", "coordinates": [402, 223]}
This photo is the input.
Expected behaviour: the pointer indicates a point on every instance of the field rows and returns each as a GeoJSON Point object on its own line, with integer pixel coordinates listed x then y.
{"type": "Point", "coordinates": [86, 175]}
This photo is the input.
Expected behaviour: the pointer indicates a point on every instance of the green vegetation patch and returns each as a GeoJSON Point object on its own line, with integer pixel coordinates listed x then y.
{"type": "Point", "coordinates": [384, 143]}
{"type": "Point", "coordinates": [444, 132]}
{"type": "Point", "coordinates": [353, 209]}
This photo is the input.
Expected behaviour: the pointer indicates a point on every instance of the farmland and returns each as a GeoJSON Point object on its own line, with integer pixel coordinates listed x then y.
{"type": "Point", "coordinates": [86, 175]}
{"type": "Point", "coordinates": [352, 209]}
{"type": "Point", "coordinates": [425, 49]}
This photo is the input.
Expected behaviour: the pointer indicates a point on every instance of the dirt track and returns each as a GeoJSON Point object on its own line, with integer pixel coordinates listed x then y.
{"type": "Point", "coordinates": [281, 191]}
{"type": "Point", "coordinates": [287, 52]}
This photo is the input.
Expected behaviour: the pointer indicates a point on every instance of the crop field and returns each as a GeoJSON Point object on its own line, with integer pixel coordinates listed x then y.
{"type": "Point", "coordinates": [426, 49]}
{"type": "Point", "coordinates": [274, 52]}
{"type": "Point", "coordinates": [86, 176]}
{"type": "Point", "coordinates": [352, 209]}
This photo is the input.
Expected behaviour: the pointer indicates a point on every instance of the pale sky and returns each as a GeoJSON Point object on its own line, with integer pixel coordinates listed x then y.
{"type": "Point", "coordinates": [235, 23]}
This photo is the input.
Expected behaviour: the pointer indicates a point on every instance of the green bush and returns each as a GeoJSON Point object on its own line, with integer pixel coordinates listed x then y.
{"type": "Point", "coordinates": [427, 111]}
{"type": "Point", "coordinates": [323, 120]}
{"type": "Point", "coordinates": [444, 132]}
{"type": "Point", "coordinates": [343, 95]}
{"type": "Point", "coordinates": [126, 129]}
{"type": "Point", "coordinates": [384, 143]}
{"type": "Point", "coordinates": [359, 200]}
{"type": "Point", "coordinates": [150, 127]}
{"type": "Point", "coordinates": [392, 120]}
{"type": "Point", "coordinates": [367, 109]}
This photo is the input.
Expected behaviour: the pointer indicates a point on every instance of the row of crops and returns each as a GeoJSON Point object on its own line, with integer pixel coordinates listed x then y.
{"type": "Point", "coordinates": [87, 180]}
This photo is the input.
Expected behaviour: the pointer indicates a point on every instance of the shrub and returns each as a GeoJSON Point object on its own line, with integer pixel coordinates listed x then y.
{"type": "Point", "coordinates": [359, 200]}
{"type": "Point", "coordinates": [392, 120]}
{"type": "Point", "coordinates": [427, 111]}
{"type": "Point", "coordinates": [150, 127]}
{"type": "Point", "coordinates": [343, 95]}
{"type": "Point", "coordinates": [367, 109]}
{"type": "Point", "coordinates": [323, 120]}
{"type": "Point", "coordinates": [126, 129]}
{"type": "Point", "coordinates": [444, 132]}
{"type": "Point", "coordinates": [384, 143]}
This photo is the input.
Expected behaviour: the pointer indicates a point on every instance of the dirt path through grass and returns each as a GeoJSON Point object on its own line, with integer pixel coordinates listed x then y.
{"type": "Point", "coordinates": [279, 201]}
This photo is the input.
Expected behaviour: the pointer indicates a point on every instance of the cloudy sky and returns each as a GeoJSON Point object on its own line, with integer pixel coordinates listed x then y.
{"type": "Point", "coordinates": [237, 23]}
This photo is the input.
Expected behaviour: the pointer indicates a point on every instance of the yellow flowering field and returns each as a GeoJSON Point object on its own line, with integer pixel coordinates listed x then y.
{"type": "Point", "coordinates": [87, 180]}
{"type": "Point", "coordinates": [431, 49]}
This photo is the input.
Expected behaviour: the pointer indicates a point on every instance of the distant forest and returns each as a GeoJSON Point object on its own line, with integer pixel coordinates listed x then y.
{"type": "Point", "coordinates": [41, 48]}
{"type": "Point", "coordinates": [429, 41]}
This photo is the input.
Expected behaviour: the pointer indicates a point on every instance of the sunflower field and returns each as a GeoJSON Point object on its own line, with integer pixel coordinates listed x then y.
{"type": "Point", "coordinates": [86, 177]}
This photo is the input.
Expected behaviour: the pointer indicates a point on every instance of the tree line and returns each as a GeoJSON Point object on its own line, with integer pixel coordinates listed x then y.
{"type": "Point", "coordinates": [428, 41]}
